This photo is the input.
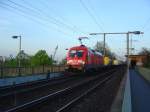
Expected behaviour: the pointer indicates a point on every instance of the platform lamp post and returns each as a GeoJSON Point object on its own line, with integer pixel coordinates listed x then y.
{"type": "Point", "coordinates": [127, 36]}
{"type": "Point", "coordinates": [15, 37]}
{"type": "Point", "coordinates": [128, 48]}
{"type": "Point", "coordinates": [131, 42]}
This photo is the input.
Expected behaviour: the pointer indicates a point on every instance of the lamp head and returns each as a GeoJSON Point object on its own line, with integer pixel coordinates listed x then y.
{"type": "Point", "coordinates": [15, 37]}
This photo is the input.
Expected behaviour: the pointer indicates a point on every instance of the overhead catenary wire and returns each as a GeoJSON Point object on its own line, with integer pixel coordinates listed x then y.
{"type": "Point", "coordinates": [145, 24]}
{"type": "Point", "coordinates": [58, 22]}
{"type": "Point", "coordinates": [41, 15]}
{"type": "Point", "coordinates": [38, 11]}
{"type": "Point", "coordinates": [31, 17]}
{"type": "Point", "coordinates": [62, 18]}
{"type": "Point", "coordinates": [91, 15]}
{"type": "Point", "coordinates": [97, 17]}
{"type": "Point", "coordinates": [53, 20]}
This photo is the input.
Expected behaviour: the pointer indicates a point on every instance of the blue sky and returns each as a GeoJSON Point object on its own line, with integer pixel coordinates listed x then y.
{"type": "Point", "coordinates": [44, 24]}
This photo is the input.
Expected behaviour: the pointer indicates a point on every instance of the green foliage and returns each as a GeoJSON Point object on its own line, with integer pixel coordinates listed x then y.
{"type": "Point", "coordinates": [41, 58]}
{"type": "Point", "coordinates": [63, 61]}
{"type": "Point", "coordinates": [99, 47]}
{"type": "Point", "coordinates": [24, 58]}
{"type": "Point", "coordinates": [26, 62]}
{"type": "Point", "coordinates": [144, 72]}
{"type": "Point", "coordinates": [11, 62]}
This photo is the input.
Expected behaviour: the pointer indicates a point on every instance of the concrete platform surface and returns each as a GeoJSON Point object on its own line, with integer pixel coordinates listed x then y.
{"type": "Point", "coordinates": [140, 92]}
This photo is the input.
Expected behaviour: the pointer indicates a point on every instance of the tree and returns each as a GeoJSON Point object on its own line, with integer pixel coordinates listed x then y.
{"type": "Point", "coordinates": [63, 61]}
{"type": "Point", "coordinates": [146, 51]}
{"type": "Point", "coordinates": [13, 61]}
{"type": "Point", "coordinates": [10, 61]}
{"type": "Point", "coordinates": [41, 58]}
{"type": "Point", "coordinates": [100, 48]}
{"type": "Point", "coordinates": [24, 58]}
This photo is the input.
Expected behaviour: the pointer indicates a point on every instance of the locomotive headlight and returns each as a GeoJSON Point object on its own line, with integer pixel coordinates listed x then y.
{"type": "Point", "coordinates": [69, 61]}
{"type": "Point", "coordinates": [81, 62]}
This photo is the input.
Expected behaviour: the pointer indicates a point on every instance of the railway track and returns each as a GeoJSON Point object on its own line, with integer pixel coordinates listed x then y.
{"type": "Point", "coordinates": [18, 87]}
{"type": "Point", "coordinates": [32, 92]}
{"type": "Point", "coordinates": [71, 104]}
{"type": "Point", "coordinates": [96, 99]}
{"type": "Point", "coordinates": [63, 99]}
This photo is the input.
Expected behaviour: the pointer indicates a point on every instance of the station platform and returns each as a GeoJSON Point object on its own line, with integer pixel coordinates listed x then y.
{"type": "Point", "coordinates": [140, 92]}
{"type": "Point", "coordinates": [24, 79]}
{"type": "Point", "coordinates": [133, 94]}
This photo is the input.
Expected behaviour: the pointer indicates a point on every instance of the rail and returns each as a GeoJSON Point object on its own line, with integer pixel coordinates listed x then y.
{"type": "Point", "coordinates": [60, 93]}
{"type": "Point", "coordinates": [66, 107]}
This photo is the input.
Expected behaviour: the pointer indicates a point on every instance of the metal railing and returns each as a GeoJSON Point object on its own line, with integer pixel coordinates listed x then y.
{"type": "Point", "coordinates": [23, 71]}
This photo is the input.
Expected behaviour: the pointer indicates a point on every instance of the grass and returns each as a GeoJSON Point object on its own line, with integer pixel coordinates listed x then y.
{"type": "Point", "coordinates": [145, 72]}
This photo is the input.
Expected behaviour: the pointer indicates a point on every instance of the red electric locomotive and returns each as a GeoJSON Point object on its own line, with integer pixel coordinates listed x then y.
{"type": "Point", "coordinates": [83, 59]}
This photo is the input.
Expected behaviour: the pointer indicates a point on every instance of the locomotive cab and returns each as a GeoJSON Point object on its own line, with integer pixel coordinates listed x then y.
{"type": "Point", "coordinates": [84, 59]}
{"type": "Point", "coordinates": [76, 58]}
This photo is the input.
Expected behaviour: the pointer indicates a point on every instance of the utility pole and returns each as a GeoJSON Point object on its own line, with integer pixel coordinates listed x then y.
{"type": "Point", "coordinates": [127, 49]}
{"type": "Point", "coordinates": [20, 52]}
{"type": "Point", "coordinates": [104, 49]}
{"type": "Point", "coordinates": [131, 45]}
{"type": "Point", "coordinates": [15, 37]}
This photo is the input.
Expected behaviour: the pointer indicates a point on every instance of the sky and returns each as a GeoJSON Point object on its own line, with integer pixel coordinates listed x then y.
{"type": "Point", "coordinates": [44, 24]}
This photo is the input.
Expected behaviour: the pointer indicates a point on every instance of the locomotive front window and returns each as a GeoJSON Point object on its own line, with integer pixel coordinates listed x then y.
{"type": "Point", "coordinates": [78, 53]}
{"type": "Point", "coordinates": [72, 53]}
